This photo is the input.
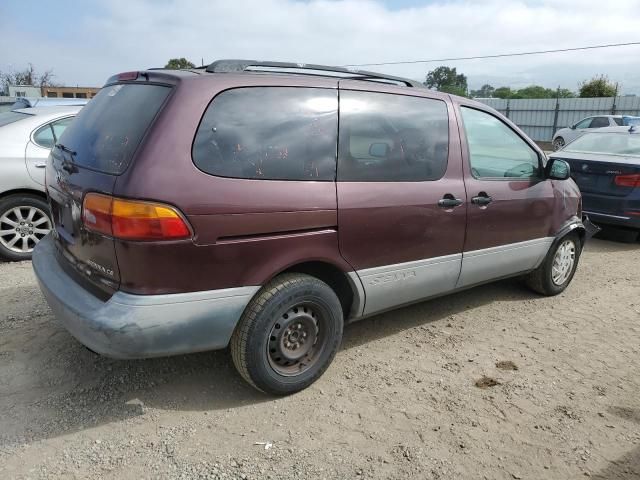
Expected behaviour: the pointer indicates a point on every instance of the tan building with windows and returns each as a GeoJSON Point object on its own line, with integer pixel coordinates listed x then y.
{"type": "Point", "coordinates": [69, 92]}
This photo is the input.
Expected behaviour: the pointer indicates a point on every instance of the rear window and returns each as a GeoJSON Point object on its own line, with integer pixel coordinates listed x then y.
{"type": "Point", "coordinates": [11, 117]}
{"type": "Point", "coordinates": [269, 133]}
{"type": "Point", "coordinates": [627, 144]}
{"type": "Point", "coordinates": [108, 130]}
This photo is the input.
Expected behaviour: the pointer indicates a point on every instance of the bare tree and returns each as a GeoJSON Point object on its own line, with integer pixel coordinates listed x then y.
{"type": "Point", "coordinates": [28, 76]}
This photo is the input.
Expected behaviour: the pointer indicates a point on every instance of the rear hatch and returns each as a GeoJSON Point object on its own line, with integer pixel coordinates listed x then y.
{"type": "Point", "coordinates": [97, 147]}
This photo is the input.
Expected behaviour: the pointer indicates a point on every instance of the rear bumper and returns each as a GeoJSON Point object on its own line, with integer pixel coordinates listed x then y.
{"type": "Point", "coordinates": [618, 220]}
{"type": "Point", "coordinates": [139, 326]}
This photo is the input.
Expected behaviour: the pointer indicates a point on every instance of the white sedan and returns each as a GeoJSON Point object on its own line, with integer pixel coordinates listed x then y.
{"type": "Point", "coordinates": [26, 137]}
{"type": "Point", "coordinates": [567, 135]}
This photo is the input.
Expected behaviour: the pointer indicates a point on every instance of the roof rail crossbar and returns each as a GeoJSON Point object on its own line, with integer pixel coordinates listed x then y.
{"type": "Point", "coordinates": [229, 66]}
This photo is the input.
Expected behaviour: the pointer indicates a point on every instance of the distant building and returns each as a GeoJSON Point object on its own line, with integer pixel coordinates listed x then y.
{"type": "Point", "coordinates": [24, 91]}
{"type": "Point", "coordinates": [69, 92]}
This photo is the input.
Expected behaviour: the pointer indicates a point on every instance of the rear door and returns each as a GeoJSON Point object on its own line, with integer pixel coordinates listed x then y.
{"type": "Point", "coordinates": [510, 202]}
{"type": "Point", "coordinates": [40, 145]}
{"type": "Point", "coordinates": [401, 198]}
{"type": "Point", "coordinates": [97, 147]}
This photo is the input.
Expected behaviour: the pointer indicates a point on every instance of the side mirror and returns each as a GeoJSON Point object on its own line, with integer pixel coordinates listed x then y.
{"type": "Point", "coordinates": [557, 169]}
{"type": "Point", "coordinates": [379, 150]}
{"type": "Point", "coordinates": [573, 127]}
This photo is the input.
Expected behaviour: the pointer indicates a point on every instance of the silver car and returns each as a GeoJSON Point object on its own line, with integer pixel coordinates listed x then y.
{"type": "Point", "coordinates": [26, 137]}
{"type": "Point", "coordinates": [569, 134]}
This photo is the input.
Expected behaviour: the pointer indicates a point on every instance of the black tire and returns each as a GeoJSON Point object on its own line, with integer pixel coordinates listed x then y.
{"type": "Point", "coordinates": [558, 143]}
{"type": "Point", "coordinates": [24, 202]}
{"type": "Point", "coordinates": [263, 343]}
{"type": "Point", "coordinates": [541, 279]}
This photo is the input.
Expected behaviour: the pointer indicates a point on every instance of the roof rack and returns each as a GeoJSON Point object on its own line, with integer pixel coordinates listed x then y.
{"type": "Point", "coordinates": [229, 66]}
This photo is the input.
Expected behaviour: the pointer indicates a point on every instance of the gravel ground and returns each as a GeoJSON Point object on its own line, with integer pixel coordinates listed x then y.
{"type": "Point", "coordinates": [495, 382]}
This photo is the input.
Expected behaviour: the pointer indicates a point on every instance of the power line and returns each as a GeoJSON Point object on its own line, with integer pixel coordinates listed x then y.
{"type": "Point", "coordinates": [500, 55]}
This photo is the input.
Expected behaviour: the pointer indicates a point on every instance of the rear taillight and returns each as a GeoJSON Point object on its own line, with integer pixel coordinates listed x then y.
{"type": "Point", "coordinates": [632, 180]}
{"type": "Point", "coordinates": [132, 219]}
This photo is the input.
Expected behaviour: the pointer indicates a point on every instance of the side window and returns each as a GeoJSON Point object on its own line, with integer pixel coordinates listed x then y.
{"type": "Point", "coordinates": [60, 126]}
{"type": "Point", "coordinates": [391, 138]}
{"type": "Point", "coordinates": [269, 133]}
{"type": "Point", "coordinates": [599, 122]}
{"type": "Point", "coordinates": [496, 151]}
{"type": "Point", "coordinates": [584, 123]}
{"type": "Point", "coordinates": [44, 136]}
{"type": "Point", "coordinates": [47, 135]}
{"type": "Point", "coordinates": [618, 121]}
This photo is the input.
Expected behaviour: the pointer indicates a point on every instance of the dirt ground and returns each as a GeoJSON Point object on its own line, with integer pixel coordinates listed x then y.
{"type": "Point", "coordinates": [495, 382]}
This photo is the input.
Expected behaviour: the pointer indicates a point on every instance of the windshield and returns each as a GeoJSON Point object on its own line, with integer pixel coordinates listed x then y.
{"type": "Point", "coordinates": [623, 143]}
{"type": "Point", "coordinates": [108, 130]}
{"type": "Point", "coordinates": [10, 117]}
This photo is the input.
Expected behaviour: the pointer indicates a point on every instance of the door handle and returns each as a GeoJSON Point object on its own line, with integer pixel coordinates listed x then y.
{"type": "Point", "coordinates": [40, 165]}
{"type": "Point", "coordinates": [482, 199]}
{"type": "Point", "coordinates": [449, 201]}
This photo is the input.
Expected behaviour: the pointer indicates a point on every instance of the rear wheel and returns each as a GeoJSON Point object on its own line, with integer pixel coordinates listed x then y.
{"type": "Point", "coordinates": [288, 334]}
{"type": "Point", "coordinates": [558, 268]}
{"type": "Point", "coordinates": [558, 143]}
{"type": "Point", "coordinates": [24, 221]}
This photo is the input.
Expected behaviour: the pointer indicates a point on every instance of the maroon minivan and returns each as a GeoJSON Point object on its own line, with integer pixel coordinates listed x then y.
{"type": "Point", "coordinates": [263, 205]}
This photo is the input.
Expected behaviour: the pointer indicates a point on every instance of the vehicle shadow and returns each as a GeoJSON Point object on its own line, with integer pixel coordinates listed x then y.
{"type": "Point", "coordinates": [434, 310]}
{"type": "Point", "coordinates": [603, 245]}
{"type": "Point", "coordinates": [627, 466]}
{"type": "Point", "coordinates": [52, 385]}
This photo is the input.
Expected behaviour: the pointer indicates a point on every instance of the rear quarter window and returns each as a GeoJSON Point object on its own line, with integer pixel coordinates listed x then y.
{"type": "Point", "coordinates": [269, 133]}
{"type": "Point", "coordinates": [108, 130]}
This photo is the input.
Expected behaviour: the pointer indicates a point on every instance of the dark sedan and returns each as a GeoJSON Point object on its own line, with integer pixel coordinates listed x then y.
{"type": "Point", "coordinates": [606, 166]}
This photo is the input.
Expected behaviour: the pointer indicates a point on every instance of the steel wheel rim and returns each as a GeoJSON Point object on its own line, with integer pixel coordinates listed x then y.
{"type": "Point", "coordinates": [559, 143]}
{"type": "Point", "coordinates": [563, 262]}
{"type": "Point", "coordinates": [297, 339]}
{"type": "Point", "coordinates": [22, 227]}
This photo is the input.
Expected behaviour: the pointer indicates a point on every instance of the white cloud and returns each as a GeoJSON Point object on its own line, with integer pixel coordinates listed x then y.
{"type": "Point", "coordinates": [134, 34]}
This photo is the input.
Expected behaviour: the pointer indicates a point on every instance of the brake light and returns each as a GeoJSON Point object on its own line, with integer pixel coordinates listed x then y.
{"type": "Point", "coordinates": [132, 219]}
{"type": "Point", "coordinates": [124, 76]}
{"type": "Point", "coordinates": [632, 180]}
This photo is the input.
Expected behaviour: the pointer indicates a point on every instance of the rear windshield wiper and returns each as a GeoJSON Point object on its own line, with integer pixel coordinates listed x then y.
{"type": "Point", "coordinates": [68, 164]}
{"type": "Point", "coordinates": [65, 149]}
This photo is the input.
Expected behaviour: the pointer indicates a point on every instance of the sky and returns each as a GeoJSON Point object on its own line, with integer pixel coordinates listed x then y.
{"type": "Point", "coordinates": [85, 42]}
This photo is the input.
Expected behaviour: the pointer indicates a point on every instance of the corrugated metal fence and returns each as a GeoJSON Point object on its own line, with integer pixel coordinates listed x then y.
{"type": "Point", "coordinates": [540, 118]}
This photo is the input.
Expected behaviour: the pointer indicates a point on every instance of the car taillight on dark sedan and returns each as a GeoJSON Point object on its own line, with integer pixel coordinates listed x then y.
{"type": "Point", "coordinates": [632, 180]}
{"type": "Point", "coordinates": [132, 219]}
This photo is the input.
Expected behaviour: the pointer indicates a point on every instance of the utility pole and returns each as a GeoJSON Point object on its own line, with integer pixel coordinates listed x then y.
{"type": "Point", "coordinates": [555, 115]}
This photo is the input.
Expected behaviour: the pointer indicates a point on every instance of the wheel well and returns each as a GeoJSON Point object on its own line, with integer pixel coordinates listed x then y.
{"type": "Point", "coordinates": [332, 276]}
{"type": "Point", "coordinates": [24, 191]}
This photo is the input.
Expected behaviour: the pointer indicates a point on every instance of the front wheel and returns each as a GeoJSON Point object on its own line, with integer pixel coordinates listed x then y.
{"type": "Point", "coordinates": [24, 221]}
{"type": "Point", "coordinates": [288, 334]}
{"type": "Point", "coordinates": [558, 268]}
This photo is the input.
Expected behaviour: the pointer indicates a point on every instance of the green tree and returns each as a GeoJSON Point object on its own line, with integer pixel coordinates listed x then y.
{"type": "Point", "coordinates": [534, 91]}
{"type": "Point", "coordinates": [446, 79]}
{"type": "Point", "coordinates": [565, 93]}
{"type": "Point", "coordinates": [598, 86]}
{"type": "Point", "coordinates": [178, 63]}
{"type": "Point", "coordinates": [503, 92]}
{"type": "Point", "coordinates": [486, 91]}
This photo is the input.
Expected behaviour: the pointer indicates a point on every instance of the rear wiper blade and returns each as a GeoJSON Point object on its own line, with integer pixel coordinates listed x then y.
{"type": "Point", "coordinates": [66, 149]}
{"type": "Point", "coordinates": [68, 164]}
